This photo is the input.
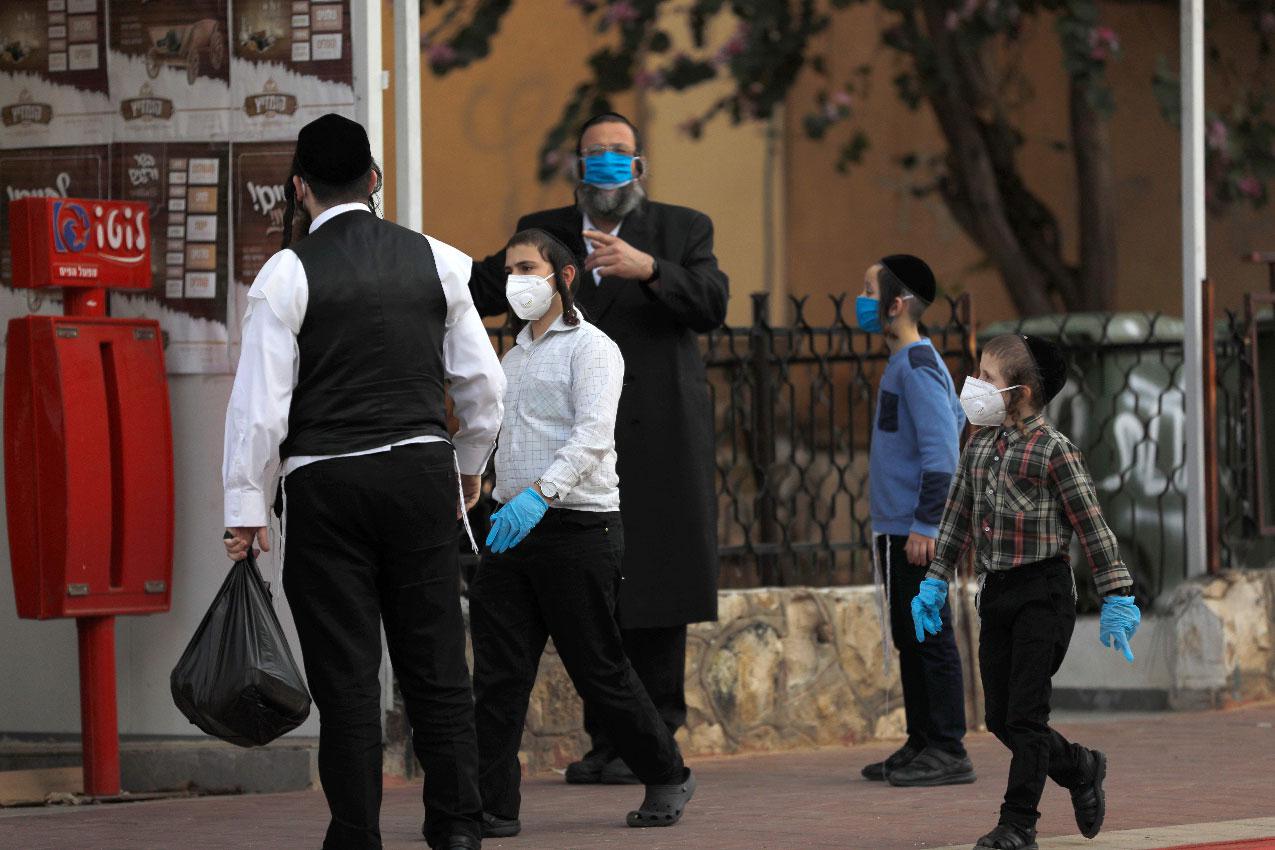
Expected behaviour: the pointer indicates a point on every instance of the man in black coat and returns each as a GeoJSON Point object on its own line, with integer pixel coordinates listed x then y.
{"type": "Point", "coordinates": [652, 285]}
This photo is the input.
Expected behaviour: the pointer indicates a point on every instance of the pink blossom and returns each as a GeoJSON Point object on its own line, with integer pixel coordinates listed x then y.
{"type": "Point", "coordinates": [831, 112]}
{"type": "Point", "coordinates": [621, 12]}
{"type": "Point", "coordinates": [654, 80]}
{"type": "Point", "coordinates": [970, 7]}
{"type": "Point", "coordinates": [1103, 43]}
{"type": "Point", "coordinates": [552, 159]}
{"type": "Point", "coordinates": [734, 47]}
{"type": "Point", "coordinates": [1249, 186]}
{"type": "Point", "coordinates": [1268, 23]}
{"type": "Point", "coordinates": [842, 98]}
{"type": "Point", "coordinates": [441, 55]}
{"type": "Point", "coordinates": [952, 20]}
{"type": "Point", "coordinates": [1217, 136]}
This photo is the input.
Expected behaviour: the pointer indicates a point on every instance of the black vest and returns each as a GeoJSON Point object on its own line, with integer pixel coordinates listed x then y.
{"type": "Point", "coordinates": [371, 370]}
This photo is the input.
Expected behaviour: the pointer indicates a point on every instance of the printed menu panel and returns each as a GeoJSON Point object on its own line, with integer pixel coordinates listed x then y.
{"type": "Point", "coordinates": [54, 87]}
{"type": "Point", "coordinates": [170, 69]}
{"type": "Point", "coordinates": [187, 187]}
{"type": "Point", "coordinates": [259, 174]}
{"type": "Point", "coordinates": [292, 63]}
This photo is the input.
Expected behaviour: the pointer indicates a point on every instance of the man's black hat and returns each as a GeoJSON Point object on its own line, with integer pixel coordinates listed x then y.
{"type": "Point", "coordinates": [1049, 363]}
{"type": "Point", "coordinates": [914, 274]}
{"type": "Point", "coordinates": [334, 150]}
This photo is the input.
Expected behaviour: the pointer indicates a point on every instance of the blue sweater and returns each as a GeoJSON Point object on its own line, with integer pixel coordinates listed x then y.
{"type": "Point", "coordinates": [915, 442]}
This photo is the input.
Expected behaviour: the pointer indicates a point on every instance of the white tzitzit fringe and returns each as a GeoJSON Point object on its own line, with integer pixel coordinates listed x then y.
{"type": "Point", "coordinates": [464, 514]}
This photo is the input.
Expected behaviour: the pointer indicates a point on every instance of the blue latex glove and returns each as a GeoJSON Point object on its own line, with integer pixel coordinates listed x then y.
{"type": "Point", "coordinates": [927, 608]}
{"type": "Point", "coordinates": [514, 521]}
{"type": "Point", "coordinates": [1119, 620]}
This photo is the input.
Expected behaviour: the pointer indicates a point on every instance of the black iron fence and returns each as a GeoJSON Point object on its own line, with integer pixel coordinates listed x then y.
{"type": "Point", "coordinates": [794, 403]}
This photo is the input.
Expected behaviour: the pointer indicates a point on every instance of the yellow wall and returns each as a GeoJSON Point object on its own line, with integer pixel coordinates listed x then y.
{"type": "Point", "coordinates": [483, 125]}
{"type": "Point", "coordinates": [839, 225]}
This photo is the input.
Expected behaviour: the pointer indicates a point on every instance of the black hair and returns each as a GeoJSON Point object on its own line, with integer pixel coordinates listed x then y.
{"type": "Point", "coordinates": [329, 194]}
{"type": "Point", "coordinates": [889, 287]}
{"type": "Point", "coordinates": [559, 256]}
{"type": "Point", "coordinates": [609, 118]}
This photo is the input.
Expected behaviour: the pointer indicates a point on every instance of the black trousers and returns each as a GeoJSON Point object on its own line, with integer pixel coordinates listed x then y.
{"type": "Point", "coordinates": [560, 582]}
{"type": "Point", "coordinates": [658, 655]}
{"type": "Point", "coordinates": [930, 671]}
{"type": "Point", "coordinates": [371, 540]}
{"type": "Point", "coordinates": [1028, 614]}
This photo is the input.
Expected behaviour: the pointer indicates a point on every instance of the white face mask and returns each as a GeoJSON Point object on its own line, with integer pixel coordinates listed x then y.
{"type": "Point", "coordinates": [530, 296]}
{"type": "Point", "coordinates": [984, 403]}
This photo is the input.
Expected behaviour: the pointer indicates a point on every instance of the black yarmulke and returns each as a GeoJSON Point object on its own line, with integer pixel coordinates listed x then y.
{"type": "Point", "coordinates": [914, 273]}
{"type": "Point", "coordinates": [334, 150]}
{"type": "Point", "coordinates": [1049, 363]}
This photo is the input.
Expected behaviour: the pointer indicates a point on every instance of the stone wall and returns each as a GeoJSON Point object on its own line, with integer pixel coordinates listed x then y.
{"type": "Point", "coordinates": [1222, 639]}
{"type": "Point", "coordinates": [782, 668]}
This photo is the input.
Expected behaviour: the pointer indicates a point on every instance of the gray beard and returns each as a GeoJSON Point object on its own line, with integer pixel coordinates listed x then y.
{"type": "Point", "coordinates": [609, 204]}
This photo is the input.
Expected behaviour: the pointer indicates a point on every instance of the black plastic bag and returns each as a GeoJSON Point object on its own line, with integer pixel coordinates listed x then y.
{"type": "Point", "coordinates": [237, 679]}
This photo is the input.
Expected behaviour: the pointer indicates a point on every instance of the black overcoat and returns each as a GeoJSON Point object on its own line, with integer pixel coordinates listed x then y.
{"type": "Point", "coordinates": [664, 432]}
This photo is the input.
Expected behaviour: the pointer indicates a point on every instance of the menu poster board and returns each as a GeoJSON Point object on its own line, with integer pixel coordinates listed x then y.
{"type": "Point", "coordinates": [170, 69]}
{"type": "Point", "coordinates": [187, 187]}
{"type": "Point", "coordinates": [292, 63]}
{"type": "Point", "coordinates": [259, 172]}
{"type": "Point", "coordinates": [78, 172]}
{"type": "Point", "coordinates": [54, 87]}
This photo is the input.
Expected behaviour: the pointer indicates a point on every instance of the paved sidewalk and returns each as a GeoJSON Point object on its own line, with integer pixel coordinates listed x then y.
{"type": "Point", "coordinates": [1208, 774]}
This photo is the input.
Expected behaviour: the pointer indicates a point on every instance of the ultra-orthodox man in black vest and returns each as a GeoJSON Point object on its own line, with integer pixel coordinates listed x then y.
{"type": "Point", "coordinates": [652, 284]}
{"type": "Point", "coordinates": [351, 335]}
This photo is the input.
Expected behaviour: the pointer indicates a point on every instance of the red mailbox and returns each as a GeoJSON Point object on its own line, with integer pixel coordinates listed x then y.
{"type": "Point", "coordinates": [88, 446]}
{"type": "Point", "coordinates": [88, 455]}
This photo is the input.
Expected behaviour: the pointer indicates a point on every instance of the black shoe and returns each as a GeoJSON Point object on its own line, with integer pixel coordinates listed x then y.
{"type": "Point", "coordinates": [1009, 837]}
{"type": "Point", "coordinates": [494, 827]}
{"type": "Point", "coordinates": [464, 842]}
{"type": "Point", "coordinates": [933, 767]}
{"type": "Point", "coordinates": [617, 772]}
{"type": "Point", "coordinates": [1089, 800]}
{"type": "Point", "coordinates": [878, 770]}
{"type": "Point", "coordinates": [588, 770]}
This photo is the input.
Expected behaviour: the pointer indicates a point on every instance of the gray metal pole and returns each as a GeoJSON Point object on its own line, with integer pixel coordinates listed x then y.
{"type": "Point", "coordinates": [1193, 273]}
{"type": "Point", "coordinates": [407, 115]}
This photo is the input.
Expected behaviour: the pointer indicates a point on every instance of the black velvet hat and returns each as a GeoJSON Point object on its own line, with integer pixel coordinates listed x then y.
{"type": "Point", "coordinates": [333, 149]}
{"type": "Point", "coordinates": [1049, 363]}
{"type": "Point", "coordinates": [913, 273]}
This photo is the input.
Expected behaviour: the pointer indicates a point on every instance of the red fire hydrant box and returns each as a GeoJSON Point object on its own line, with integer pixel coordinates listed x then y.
{"type": "Point", "coordinates": [80, 242]}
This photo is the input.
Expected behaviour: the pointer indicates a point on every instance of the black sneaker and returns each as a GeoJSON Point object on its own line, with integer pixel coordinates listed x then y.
{"type": "Point", "coordinates": [588, 770]}
{"type": "Point", "coordinates": [1089, 800]}
{"type": "Point", "coordinates": [617, 772]}
{"type": "Point", "coordinates": [463, 842]}
{"type": "Point", "coordinates": [1006, 836]}
{"type": "Point", "coordinates": [878, 770]}
{"type": "Point", "coordinates": [933, 767]}
{"type": "Point", "coordinates": [496, 827]}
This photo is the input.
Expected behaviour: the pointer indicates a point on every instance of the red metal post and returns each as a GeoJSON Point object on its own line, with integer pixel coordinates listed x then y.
{"type": "Point", "coordinates": [99, 719]}
{"type": "Point", "coordinates": [99, 723]}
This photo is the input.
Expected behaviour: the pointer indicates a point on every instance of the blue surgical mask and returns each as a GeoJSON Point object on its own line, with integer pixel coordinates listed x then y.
{"type": "Point", "coordinates": [608, 170]}
{"type": "Point", "coordinates": [867, 311]}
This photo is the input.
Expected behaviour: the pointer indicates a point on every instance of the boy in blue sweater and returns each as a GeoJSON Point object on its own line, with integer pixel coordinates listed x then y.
{"type": "Point", "coordinates": [915, 448]}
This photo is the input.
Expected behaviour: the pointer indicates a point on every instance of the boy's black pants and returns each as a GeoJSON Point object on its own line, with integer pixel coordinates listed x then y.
{"type": "Point", "coordinates": [933, 687]}
{"type": "Point", "coordinates": [561, 582]}
{"type": "Point", "coordinates": [372, 540]}
{"type": "Point", "coordinates": [1027, 618]}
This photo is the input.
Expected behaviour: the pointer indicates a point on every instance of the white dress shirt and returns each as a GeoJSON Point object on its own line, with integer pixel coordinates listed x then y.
{"type": "Point", "coordinates": [588, 246]}
{"type": "Point", "coordinates": [560, 407]}
{"type": "Point", "coordinates": [269, 364]}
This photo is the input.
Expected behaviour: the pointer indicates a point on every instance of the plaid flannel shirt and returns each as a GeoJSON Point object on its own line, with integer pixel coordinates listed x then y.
{"type": "Point", "coordinates": [1017, 497]}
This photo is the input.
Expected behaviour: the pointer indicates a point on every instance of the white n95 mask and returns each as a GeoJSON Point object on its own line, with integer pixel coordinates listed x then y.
{"type": "Point", "coordinates": [529, 296]}
{"type": "Point", "coordinates": [984, 403]}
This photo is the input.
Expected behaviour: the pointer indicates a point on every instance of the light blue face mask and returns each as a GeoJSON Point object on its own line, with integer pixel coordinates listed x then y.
{"type": "Point", "coordinates": [867, 312]}
{"type": "Point", "coordinates": [608, 170]}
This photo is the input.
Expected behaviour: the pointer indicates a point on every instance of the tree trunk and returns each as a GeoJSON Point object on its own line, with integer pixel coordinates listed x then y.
{"type": "Point", "coordinates": [1095, 201]}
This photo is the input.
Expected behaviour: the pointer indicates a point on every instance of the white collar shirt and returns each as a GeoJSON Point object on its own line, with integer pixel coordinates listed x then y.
{"type": "Point", "coordinates": [563, 391]}
{"type": "Point", "coordinates": [588, 246]}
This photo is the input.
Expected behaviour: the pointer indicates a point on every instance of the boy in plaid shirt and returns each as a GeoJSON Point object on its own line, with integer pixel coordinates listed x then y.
{"type": "Point", "coordinates": [1020, 492]}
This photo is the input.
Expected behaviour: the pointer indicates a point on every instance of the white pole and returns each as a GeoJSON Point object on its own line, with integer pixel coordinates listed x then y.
{"type": "Point", "coordinates": [1193, 273]}
{"type": "Point", "coordinates": [407, 114]}
{"type": "Point", "coordinates": [369, 79]}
